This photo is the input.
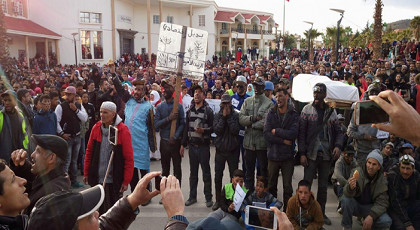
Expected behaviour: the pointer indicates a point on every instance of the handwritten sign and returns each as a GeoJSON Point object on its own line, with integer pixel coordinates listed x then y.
{"type": "Point", "coordinates": [169, 45]}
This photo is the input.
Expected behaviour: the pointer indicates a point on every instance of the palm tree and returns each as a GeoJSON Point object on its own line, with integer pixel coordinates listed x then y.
{"type": "Point", "coordinates": [415, 25]}
{"type": "Point", "coordinates": [313, 34]}
{"type": "Point", "coordinates": [377, 30]}
{"type": "Point", "coordinates": [330, 39]}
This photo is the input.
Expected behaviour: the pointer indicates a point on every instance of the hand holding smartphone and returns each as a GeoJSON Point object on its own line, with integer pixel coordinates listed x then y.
{"type": "Point", "coordinates": [260, 217]}
{"type": "Point", "coordinates": [368, 112]}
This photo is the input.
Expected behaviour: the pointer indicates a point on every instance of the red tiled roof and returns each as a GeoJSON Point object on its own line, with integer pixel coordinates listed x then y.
{"type": "Point", "coordinates": [225, 16]}
{"type": "Point", "coordinates": [263, 18]}
{"type": "Point", "coordinates": [229, 17]}
{"type": "Point", "coordinates": [27, 26]}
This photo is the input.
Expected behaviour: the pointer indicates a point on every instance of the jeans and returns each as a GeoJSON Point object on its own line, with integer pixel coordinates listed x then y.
{"type": "Point", "coordinates": [351, 207]}
{"type": "Point", "coordinates": [82, 152]}
{"type": "Point", "coordinates": [250, 160]}
{"type": "Point", "coordinates": [219, 214]}
{"type": "Point", "coordinates": [200, 155]}
{"type": "Point", "coordinates": [413, 211]}
{"type": "Point", "coordinates": [323, 169]}
{"type": "Point", "coordinates": [70, 165]}
{"type": "Point", "coordinates": [219, 166]}
{"type": "Point", "coordinates": [169, 152]}
{"type": "Point", "coordinates": [242, 154]}
{"type": "Point", "coordinates": [287, 168]}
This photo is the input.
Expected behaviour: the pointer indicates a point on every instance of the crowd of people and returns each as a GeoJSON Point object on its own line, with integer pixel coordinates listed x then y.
{"type": "Point", "coordinates": [58, 123]}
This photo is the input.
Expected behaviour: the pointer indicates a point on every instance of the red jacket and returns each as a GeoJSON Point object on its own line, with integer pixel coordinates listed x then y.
{"type": "Point", "coordinates": [123, 162]}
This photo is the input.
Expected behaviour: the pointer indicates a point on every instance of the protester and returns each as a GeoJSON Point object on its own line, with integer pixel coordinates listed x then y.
{"type": "Point", "coordinates": [13, 128]}
{"type": "Point", "coordinates": [170, 146]}
{"type": "Point", "coordinates": [280, 130]}
{"type": "Point", "coordinates": [261, 196]}
{"type": "Point", "coordinates": [342, 170]}
{"type": "Point", "coordinates": [320, 140]}
{"type": "Point", "coordinates": [197, 131]}
{"type": "Point", "coordinates": [227, 207]}
{"type": "Point", "coordinates": [70, 114]}
{"type": "Point", "coordinates": [304, 212]}
{"type": "Point", "coordinates": [98, 155]}
{"type": "Point", "coordinates": [226, 127]}
{"type": "Point", "coordinates": [45, 174]}
{"type": "Point", "coordinates": [252, 115]}
{"type": "Point", "coordinates": [404, 195]}
{"type": "Point", "coordinates": [139, 118]}
{"type": "Point", "coordinates": [366, 195]}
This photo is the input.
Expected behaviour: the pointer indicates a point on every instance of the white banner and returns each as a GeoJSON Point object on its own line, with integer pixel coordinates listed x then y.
{"type": "Point", "coordinates": [169, 45]}
{"type": "Point", "coordinates": [213, 103]}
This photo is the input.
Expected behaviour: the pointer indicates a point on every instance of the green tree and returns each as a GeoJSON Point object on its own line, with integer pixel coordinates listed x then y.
{"type": "Point", "coordinates": [5, 59]}
{"type": "Point", "coordinates": [415, 26]}
{"type": "Point", "coordinates": [312, 35]}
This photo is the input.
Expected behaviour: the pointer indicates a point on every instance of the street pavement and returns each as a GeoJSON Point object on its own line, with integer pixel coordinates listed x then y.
{"type": "Point", "coordinates": [154, 216]}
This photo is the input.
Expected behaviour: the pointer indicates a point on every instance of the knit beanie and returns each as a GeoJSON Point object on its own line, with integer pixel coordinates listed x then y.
{"type": "Point", "coordinates": [109, 105]}
{"type": "Point", "coordinates": [376, 154]}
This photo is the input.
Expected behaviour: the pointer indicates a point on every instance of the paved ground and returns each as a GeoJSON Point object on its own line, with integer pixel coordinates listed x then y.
{"type": "Point", "coordinates": [154, 216]}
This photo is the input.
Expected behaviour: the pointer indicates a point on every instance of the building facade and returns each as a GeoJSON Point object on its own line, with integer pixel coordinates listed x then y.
{"type": "Point", "coordinates": [96, 30]}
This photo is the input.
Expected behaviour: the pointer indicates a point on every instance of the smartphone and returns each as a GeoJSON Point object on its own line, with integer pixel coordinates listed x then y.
{"type": "Point", "coordinates": [157, 182]}
{"type": "Point", "coordinates": [113, 135]}
{"type": "Point", "coordinates": [368, 112]}
{"type": "Point", "coordinates": [260, 217]}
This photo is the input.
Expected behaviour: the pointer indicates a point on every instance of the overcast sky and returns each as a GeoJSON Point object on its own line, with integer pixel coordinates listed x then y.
{"type": "Point", "coordinates": [357, 12]}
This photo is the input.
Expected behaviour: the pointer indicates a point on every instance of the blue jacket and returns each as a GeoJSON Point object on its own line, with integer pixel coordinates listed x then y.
{"type": "Point", "coordinates": [163, 125]}
{"type": "Point", "coordinates": [45, 123]}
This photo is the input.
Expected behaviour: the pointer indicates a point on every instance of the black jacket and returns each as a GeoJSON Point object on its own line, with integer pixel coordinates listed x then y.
{"type": "Point", "coordinates": [19, 222]}
{"type": "Point", "coordinates": [40, 186]}
{"type": "Point", "coordinates": [227, 131]}
{"type": "Point", "coordinates": [286, 129]}
{"type": "Point", "coordinates": [402, 192]}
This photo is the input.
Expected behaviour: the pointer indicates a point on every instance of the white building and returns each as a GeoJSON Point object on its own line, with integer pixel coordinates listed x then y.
{"type": "Point", "coordinates": [106, 29]}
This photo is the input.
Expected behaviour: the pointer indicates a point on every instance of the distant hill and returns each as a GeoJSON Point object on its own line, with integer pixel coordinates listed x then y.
{"type": "Point", "coordinates": [400, 25]}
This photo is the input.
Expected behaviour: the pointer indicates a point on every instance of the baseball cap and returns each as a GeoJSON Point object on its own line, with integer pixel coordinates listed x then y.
{"type": "Point", "coordinates": [225, 98]}
{"type": "Point", "coordinates": [406, 146]}
{"type": "Point", "coordinates": [61, 210]}
{"type": "Point", "coordinates": [284, 80]}
{"type": "Point", "coordinates": [70, 89]}
{"type": "Point", "coordinates": [52, 142]}
{"type": "Point", "coordinates": [259, 81]}
{"type": "Point", "coordinates": [241, 79]}
{"type": "Point", "coordinates": [390, 144]}
{"type": "Point", "coordinates": [166, 82]}
{"type": "Point", "coordinates": [340, 117]}
{"type": "Point", "coordinates": [269, 85]}
{"type": "Point", "coordinates": [138, 82]}
{"type": "Point", "coordinates": [9, 92]}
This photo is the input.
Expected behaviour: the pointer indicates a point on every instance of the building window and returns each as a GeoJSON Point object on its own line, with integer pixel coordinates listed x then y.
{"type": "Point", "coordinates": [91, 42]}
{"type": "Point", "coordinates": [170, 19]}
{"type": "Point", "coordinates": [255, 27]}
{"type": "Point", "coordinates": [95, 18]}
{"type": "Point", "coordinates": [201, 20]}
{"type": "Point", "coordinates": [4, 6]}
{"type": "Point", "coordinates": [90, 17]}
{"type": "Point", "coordinates": [156, 19]}
{"type": "Point", "coordinates": [18, 7]}
{"type": "Point", "coordinates": [224, 26]}
{"type": "Point", "coordinates": [85, 17]}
